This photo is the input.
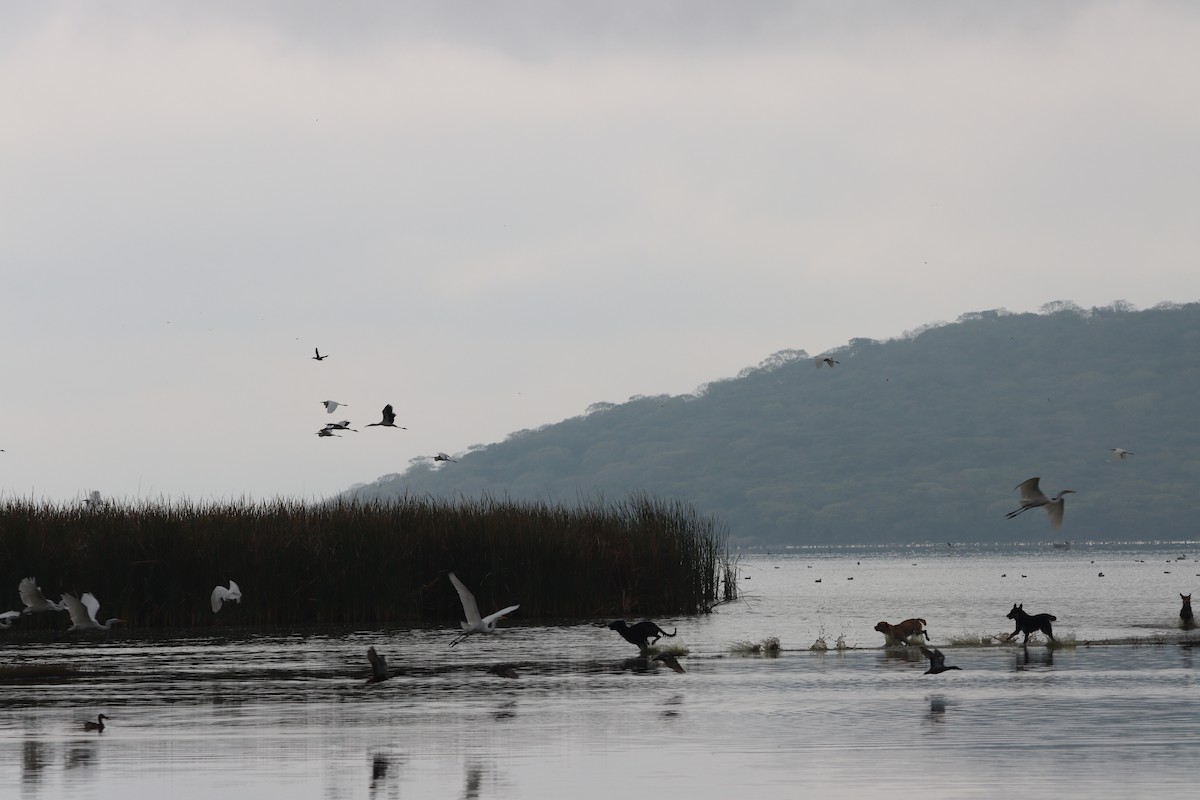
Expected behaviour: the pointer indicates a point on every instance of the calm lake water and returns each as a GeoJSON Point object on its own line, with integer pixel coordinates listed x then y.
{"type": "Point", "coordinates": [1114, 713]}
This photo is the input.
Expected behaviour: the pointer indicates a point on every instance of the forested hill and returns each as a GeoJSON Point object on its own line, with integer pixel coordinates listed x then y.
{"type": "Point", "coordinates": [919, 438]}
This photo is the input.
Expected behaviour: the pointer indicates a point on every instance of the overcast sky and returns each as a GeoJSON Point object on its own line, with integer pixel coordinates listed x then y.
{"type": "Point", "coordinates": [494, 214]}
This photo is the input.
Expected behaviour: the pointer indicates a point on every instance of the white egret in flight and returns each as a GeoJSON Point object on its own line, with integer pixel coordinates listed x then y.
{"type": "Point", "coordinates": [93, 500]}
{"type": "Point", "coordinates": [83, 613]}
{"type": "Point", "coordinates": [389, 419]}
{"type": "Point", "coordinates": [826, 362]}
{"type": "Point", "coordinates": [1032, 497]}
{"type": "Point", "coordinates": [344, 425]}
{"type": "Point", "coordinates": [34, 600]}
{"type": "Point", "coordinates": [318, 356]}
{"type": "Point", "coordinates": [1117, 452]}
{"type": "Point", "coordinates": [8, 618]}
{"type": "Point", "coordinates": [331, 405]}
{"type": "Point", "coordinates": [443, 457]}
{"type": "Point", "coordinates": [220, 594]}
{"type": "Point", "coordinates": [475, 623]}
{"type": "Point", "coordinates": [328, 432]}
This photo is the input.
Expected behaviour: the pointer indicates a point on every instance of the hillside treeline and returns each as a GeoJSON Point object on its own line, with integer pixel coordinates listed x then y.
{"type": "Point", "coordinates": [919, 438]}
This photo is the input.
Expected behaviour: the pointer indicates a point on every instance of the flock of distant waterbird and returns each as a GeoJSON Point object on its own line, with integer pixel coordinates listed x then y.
{"type": "Point", "coordinates": [332, 430]}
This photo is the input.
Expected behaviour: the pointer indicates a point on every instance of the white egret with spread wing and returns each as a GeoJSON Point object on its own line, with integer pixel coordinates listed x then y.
{"type": "Point", "coordinates": [475, 623]}
{"type": "Point", "coordinates": [34, 600]}
{"type": "Point", "coordinates": [1032, 497]}
{"type": "Point", "coordinates": [220, 594]}
{"type": "Point", "coordinates": [331, 405]}
{"type": "Point", "coordinates": [83, 613]}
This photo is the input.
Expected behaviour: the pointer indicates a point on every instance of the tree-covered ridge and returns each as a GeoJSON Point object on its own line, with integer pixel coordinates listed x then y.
{"type": "Point", "coordinates": [919, 438]}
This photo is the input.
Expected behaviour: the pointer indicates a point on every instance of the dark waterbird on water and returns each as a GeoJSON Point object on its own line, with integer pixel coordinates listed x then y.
{"type": "Point", "coordinates": [1185, 613]}
{"type": "Point", "coordinates": [937, 661]}
{"type": "Point", "coordinates": [98, 725]}
{"type": "Point", "coordinates": [647, 664]}
{"type": "Point", "coordinates": [1032, 497]}
{"type": "Point", "coordinates": [379, 667]}
{"type": "Point", "coordinates": [640, 632]}
{"type": "Point", "coordinates": [503, 670]}
{"type": "Point", "coordinates": [389, 419]}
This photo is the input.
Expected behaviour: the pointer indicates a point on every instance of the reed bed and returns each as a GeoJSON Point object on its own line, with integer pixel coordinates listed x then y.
{"type": "Point", "coordinates": [348, 562]}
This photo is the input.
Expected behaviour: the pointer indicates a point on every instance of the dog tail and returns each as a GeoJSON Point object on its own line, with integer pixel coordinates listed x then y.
{"type": "Point", "coordinates": [672, 633]}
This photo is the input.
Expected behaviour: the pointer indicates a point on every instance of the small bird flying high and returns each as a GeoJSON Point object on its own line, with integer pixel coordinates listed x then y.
{"type": "Point", "coordinates": [331, 405]}
{"type": "Point", "coordinates": [318, 356]}
{"type": "Point", "coordinates": [826, 362]}
{"type": "Point", "coordinates": [1117, 452]}
{"type": "Point", "coordinates": [443, 457]}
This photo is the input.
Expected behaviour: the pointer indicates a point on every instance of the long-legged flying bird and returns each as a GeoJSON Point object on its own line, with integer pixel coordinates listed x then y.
{"type": "Point", "coordinates": [389, 419]}
{"type": "Point", "coordinates": [34, 600]}
{"type": "Point", "coordinates": [220, 594]}
{"type": "Point", "coordinates": [1117, 452]}
{"type": "Point", "coordinates": [331, 405]}
{"type": "Point", "coordinates": [1032, 497]}
{"type": "Point", "coordinates": [826, 362]}
{"type": "Point", "coordinates": [475, 623]}
{"type": "Point", "coordinates": [83, 613]}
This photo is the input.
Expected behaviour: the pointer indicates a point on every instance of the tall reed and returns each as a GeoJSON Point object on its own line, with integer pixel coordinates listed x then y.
{"type": "Point", "coordinates": [155, 564]}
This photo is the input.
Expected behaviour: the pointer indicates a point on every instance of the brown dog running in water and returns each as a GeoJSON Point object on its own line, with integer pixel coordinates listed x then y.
{"type": "Point", "coordinates": [902, 630]}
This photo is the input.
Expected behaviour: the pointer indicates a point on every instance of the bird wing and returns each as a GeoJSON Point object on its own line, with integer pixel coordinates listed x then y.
{"type": "Point", "coordinates": [79, 614]}
{"type": "Point", "coordinates": [389, 416]}
{"type": "Point", "coordinates": [91, 603]}
{"type": "Point", "coordinates": [1054, 510]}
{"type": "Point", "coordinates": [219, 595]}
{"type": "Point", "coordinates": [1030, 490]}
{"type": "Point", "coordinates": [468, 600]}
{"type": "Point", "coordinates": [379, 668]}
{"type": "Point", "coordinates": [10, 615]}
{"type": "Point", "coordinates": [235, 593]}
{"type": "Point", "coordinates": [31, 595]}
{"type": "Point", "coordinates": [935, 657]}
{"type": "Point", "coordinates": [490, 618]}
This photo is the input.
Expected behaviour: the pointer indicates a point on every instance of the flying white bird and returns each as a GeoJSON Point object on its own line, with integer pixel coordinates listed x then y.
{"type": "Point", "coordinates": [8, 618]}
{"type": "Point", "coordinates": [93, 500]}
{"type": "Point", "coordinates": [389, 419]}
{"type": "Point", "coordinates": [34, 600]}
{"type": "Point", "coordinates": [1119, 453]}
{"type": "Point", "coordinates": [220, 594]}
{"type": "Point", "coordinates": [318, 356]}
{"type": "Point", "coordinates": [443, 457]}
{"type": "Point", "coordinates": [1032, 497]}
{"type": "Point", "coordinates": [328, 432]}
{"type": "Point", "coordinates": [475, 623]}
{"type": "Point", "coordinates": [83, 613]}
{"type": "Point", "coordinates": [344, 425]}
{"type": "Point", "coordinates": [331, 405]}
{"type": "Point", "coordinates": [826, 362]}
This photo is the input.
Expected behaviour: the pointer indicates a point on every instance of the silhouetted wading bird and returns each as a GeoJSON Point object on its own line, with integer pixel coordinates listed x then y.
{"type": "Point", "coordinates": [640, 632]}
{"type": "Point", "coordinates": [389, 419]}
{"type": "Point", "coordinates": [475, 623]}
{"type": "Point", "coordinates": [220, 594]}
{"type": "Point", "coordinates": [318, 356]}
{"type": "Point", "coordinates": [331, 405]}
{"type": "Point", "coordinates": [34, 600]}
{"type": "Point", "coordinates": [1032, 497]}
{"type": "Point", "coordinates": [937, 661]}
{"type": "Point", "coordinates": [379, 667]}
{"type": "Point", "coordinates": [826, 362]}
{"type": "Point", "coordinates": [83, 613]}
{"type": "Point", "coordinates": [98, 725]}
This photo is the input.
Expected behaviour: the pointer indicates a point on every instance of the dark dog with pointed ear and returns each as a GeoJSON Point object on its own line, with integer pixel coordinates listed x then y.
{"type": "Point", "coordinates": [1185, 613]}
{"type": "Point", "coordinates": [639, 632]}
{"type": "Point", "coordinates": [1028, 623]}
{"type": "Point", "coordinates": [902, 630]}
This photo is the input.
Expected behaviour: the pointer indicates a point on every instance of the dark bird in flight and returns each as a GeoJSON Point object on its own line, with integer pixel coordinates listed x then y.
{"type": "Point", "coordinates": [826, 362]}
{"type": "Point", "coordinates": [318, 356]}
{"type": "Point", "coordinates": [389, 419]}
{"type": "Point", "coordinates": [937, 661]}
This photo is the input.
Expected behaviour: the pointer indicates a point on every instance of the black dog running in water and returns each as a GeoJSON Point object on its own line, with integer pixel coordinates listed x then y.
{"type": "Point", "coordinates": [639, 632]}
{"type": "Point", "coordinates": [1028, 623]}
{"type": "Point", "coordinates": [1185, 613]}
